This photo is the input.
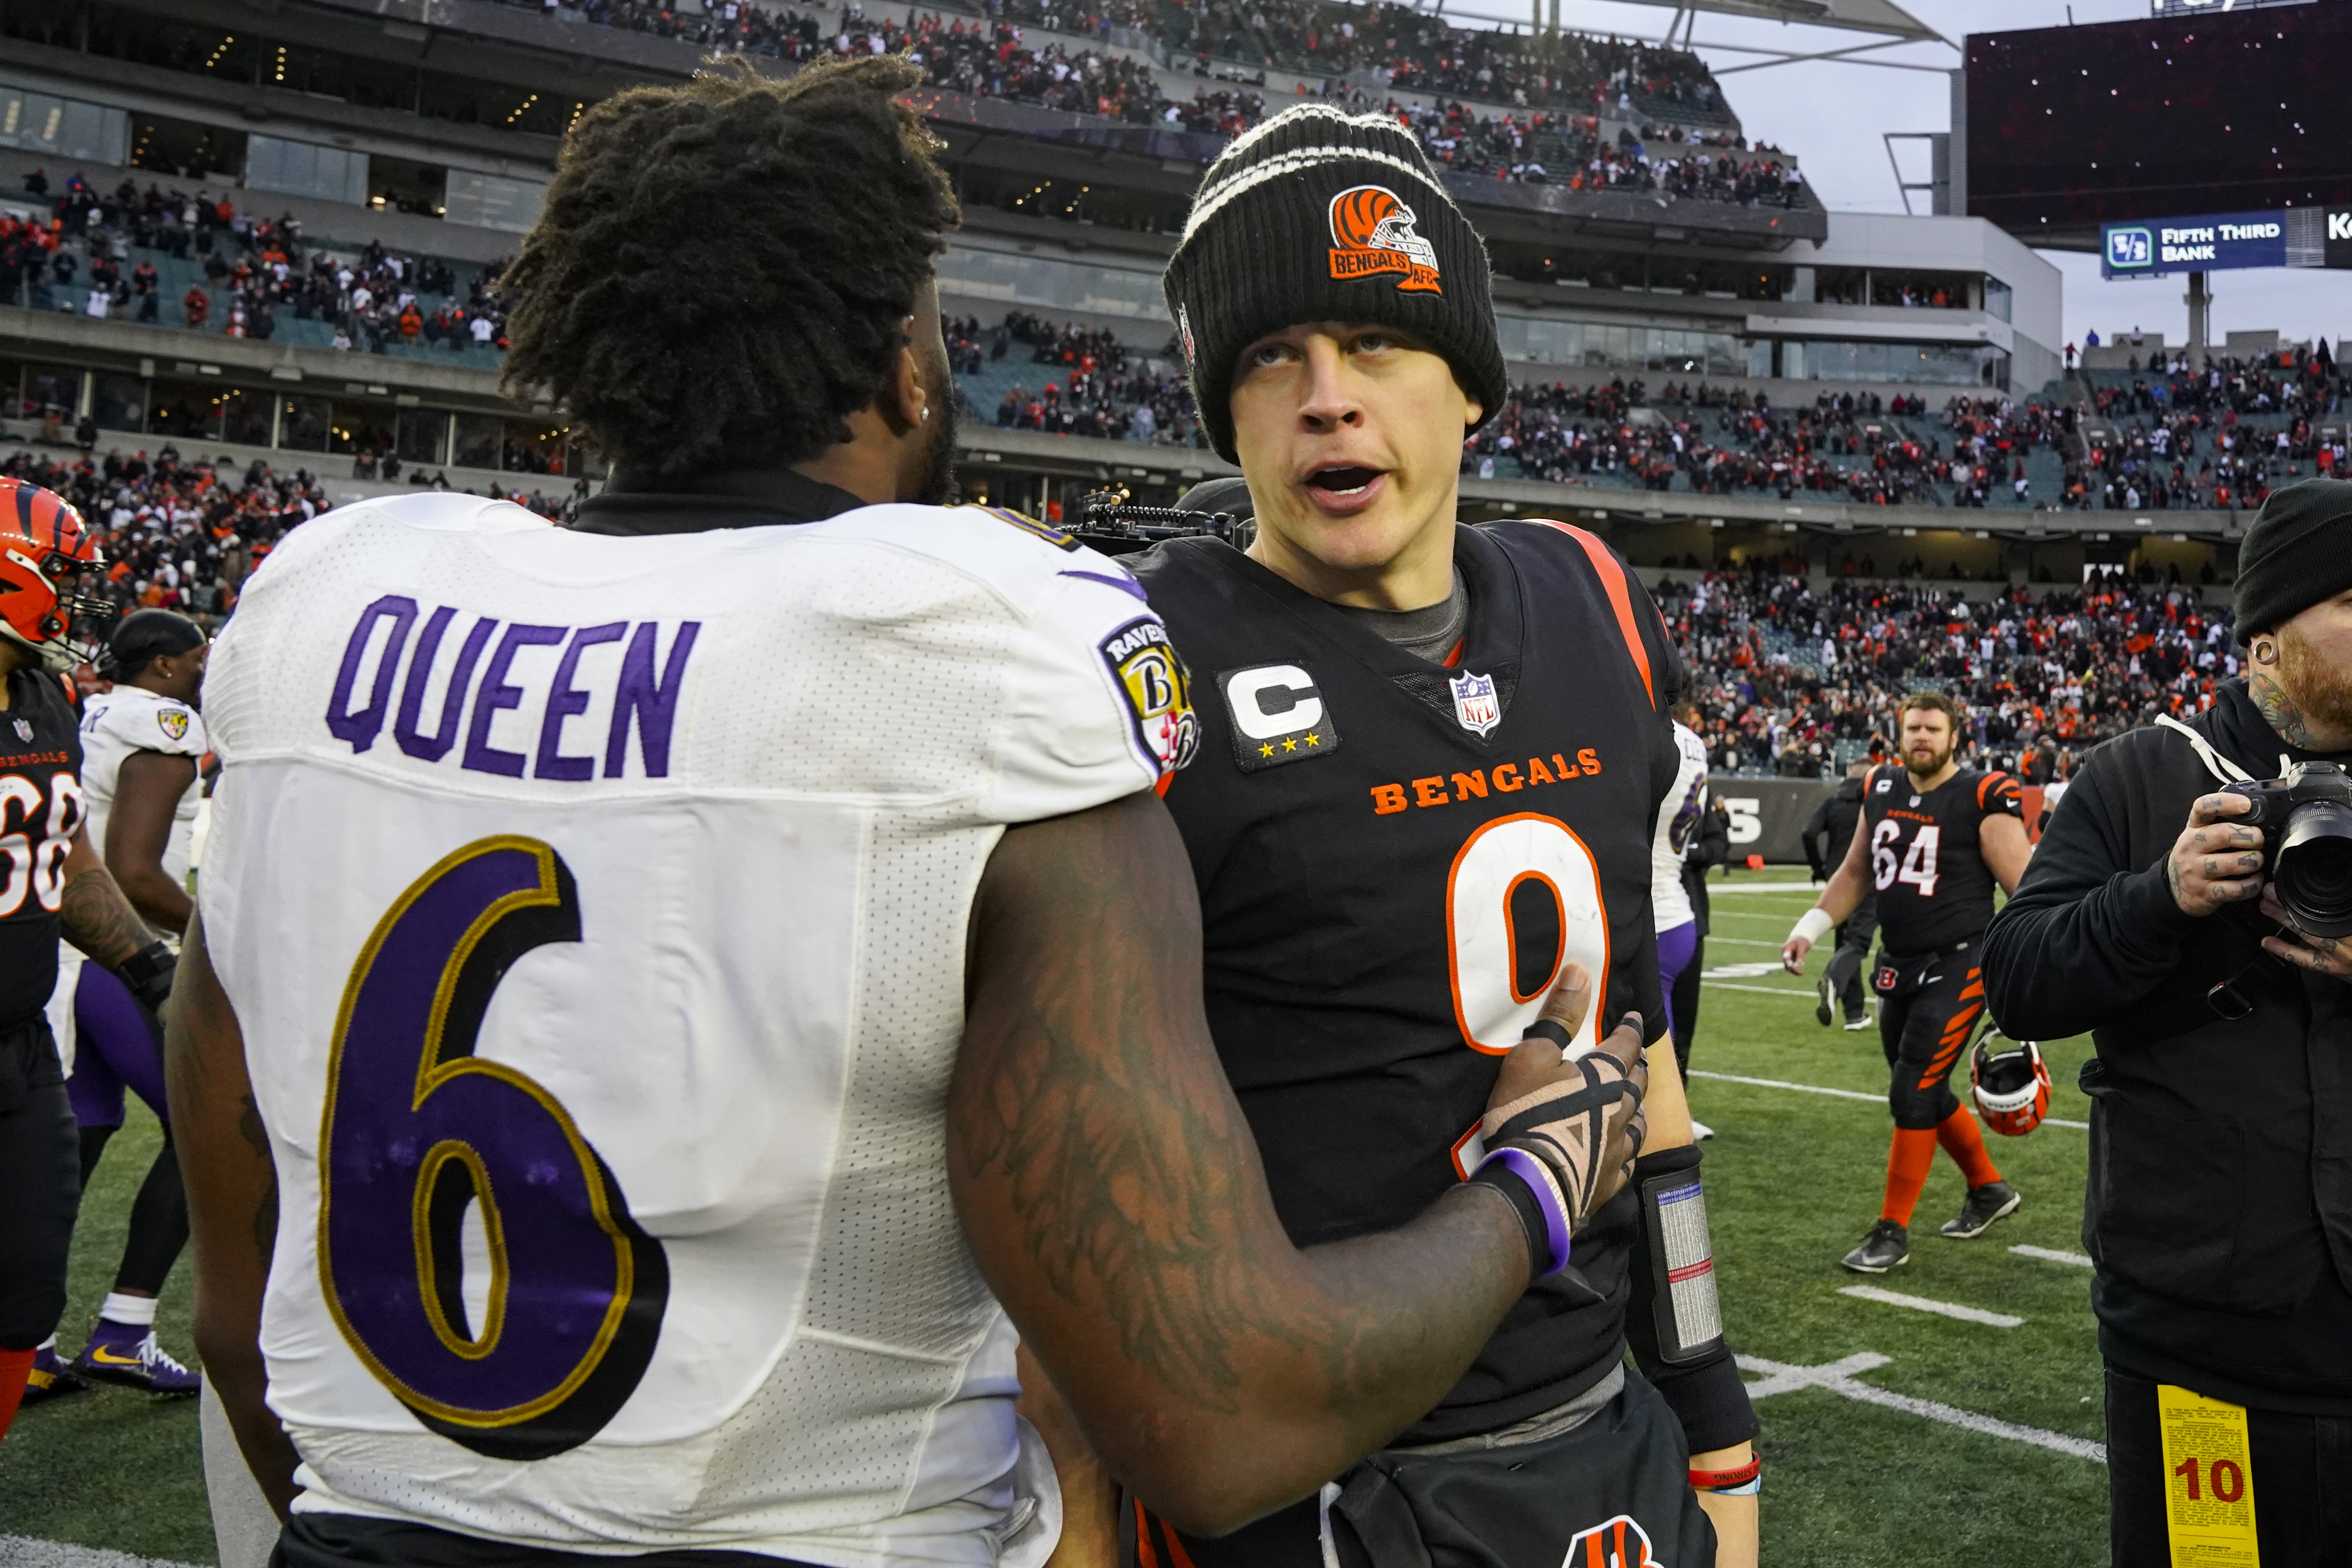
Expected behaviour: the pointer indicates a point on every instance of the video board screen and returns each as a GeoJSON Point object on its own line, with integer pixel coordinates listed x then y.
{"type": "Point", "coordinates": [2069, 128]}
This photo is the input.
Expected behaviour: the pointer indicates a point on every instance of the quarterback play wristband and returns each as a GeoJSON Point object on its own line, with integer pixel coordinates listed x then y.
{"type": "Point", "coordinates": [1536, 1179]}
{"type": "Point", "coordinates": [1812, 926]}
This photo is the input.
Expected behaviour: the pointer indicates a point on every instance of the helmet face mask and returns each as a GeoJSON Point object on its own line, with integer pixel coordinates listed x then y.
{"type": "Point", "coordinates": [2009, 1083]}
{"type": "Point", "coordinates": [44, 548]}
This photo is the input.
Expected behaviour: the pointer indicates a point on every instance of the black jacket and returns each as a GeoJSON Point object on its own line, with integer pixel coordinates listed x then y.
{"type": "Point", "coordinates": [1831, 828]}
{"type": "Point", "coordinates": [1709, 847]}
{"type": "Point", "coordinates": [2219, 1201]}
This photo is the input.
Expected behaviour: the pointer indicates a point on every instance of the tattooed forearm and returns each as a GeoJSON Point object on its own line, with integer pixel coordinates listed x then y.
{"type": "Point", "coordinates": [1120, 1176]}
{"type": "Point", "coordinates": [98, 920]}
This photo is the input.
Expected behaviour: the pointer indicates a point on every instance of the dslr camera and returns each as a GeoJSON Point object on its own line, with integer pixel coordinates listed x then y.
{"type": "Point", "coordinates": [2305, 816]}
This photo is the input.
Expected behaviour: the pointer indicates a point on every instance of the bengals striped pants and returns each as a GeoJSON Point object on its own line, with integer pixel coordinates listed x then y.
{"type": "Point", "coordinates": [1929, 1006]}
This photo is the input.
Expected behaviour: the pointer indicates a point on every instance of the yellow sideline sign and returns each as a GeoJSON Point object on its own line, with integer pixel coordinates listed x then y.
{"type": "Point", "coordinates": [2209, 1482]}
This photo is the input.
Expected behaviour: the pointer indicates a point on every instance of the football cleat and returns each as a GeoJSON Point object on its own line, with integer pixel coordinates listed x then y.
{"type": "Point", "coordinates": [2010, 1082]}
{"type": "Point", "coordinates": [1994, 1200]}
{"type": "Point", "coordinates": [50, 1378]}
{"type": "Point", "coordinates": [1821, 1012]}
{"type": "Point", "coordinates": [1887, 1245]}
{"type": "Point", "coordinates": [1859, 1021]}
{"type": "Point", "coordinates": [127, 1354]}
{"type": "Point", "coordinates": [1700, 1131]}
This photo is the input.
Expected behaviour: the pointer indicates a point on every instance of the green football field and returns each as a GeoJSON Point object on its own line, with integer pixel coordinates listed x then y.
{"type": "Point", "coordinates": [1894, 1434]}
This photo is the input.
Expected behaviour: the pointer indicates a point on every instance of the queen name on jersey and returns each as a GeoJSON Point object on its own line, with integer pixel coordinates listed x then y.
{"type": "Point", "coordinates": [1394, 860]}
{"type": "Point", "coordinates": [1934, 888]}
{"type": "Point", "coordinates": [640, 1238]}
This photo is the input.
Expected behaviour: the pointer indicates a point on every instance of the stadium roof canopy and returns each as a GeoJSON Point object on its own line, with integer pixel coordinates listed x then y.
{"type": "Point", "coordinates": [1882, 17]}
{"type": "Point", "coordinates": [1859, 16]}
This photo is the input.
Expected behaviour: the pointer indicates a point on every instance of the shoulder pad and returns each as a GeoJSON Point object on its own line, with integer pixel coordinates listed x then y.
{"type": "Point", "coordinates": [1031, 526]}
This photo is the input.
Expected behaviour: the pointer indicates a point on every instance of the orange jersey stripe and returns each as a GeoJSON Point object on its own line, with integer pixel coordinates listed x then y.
{"type": "Point", "coordinates": [1612, 579]}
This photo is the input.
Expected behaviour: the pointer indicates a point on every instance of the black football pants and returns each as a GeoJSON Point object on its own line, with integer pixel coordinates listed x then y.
{"type": "Point", "coordinates": [1927, 1003]}
{"type": "Point", "coordinates": [2303, 1499]}
{"type": "Point", "coordinates": [40, 1185]}
{"type": "Point", "coordinates": [1684, 1005]}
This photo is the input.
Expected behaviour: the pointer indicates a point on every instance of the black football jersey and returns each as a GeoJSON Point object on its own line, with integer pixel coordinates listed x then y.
{"type": "Point", "coordinates": [40, 809]}
{"type": "Point", "coordinates": [1934, 888]}
{"type": "Point", "coordinates": [1395, 857]}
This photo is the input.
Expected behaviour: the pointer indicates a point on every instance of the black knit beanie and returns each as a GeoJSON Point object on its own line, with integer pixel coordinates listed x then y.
{"type": "Point", "coordinates": [1321, 216]}
{"type": "Point", "coordinates": [2297, 553]}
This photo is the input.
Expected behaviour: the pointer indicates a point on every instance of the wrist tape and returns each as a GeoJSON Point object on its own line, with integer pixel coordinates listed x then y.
{"type": "Point", "coordinates": [1812, 926]}
{"type": "Point", "coordinates": [1535, 1198]}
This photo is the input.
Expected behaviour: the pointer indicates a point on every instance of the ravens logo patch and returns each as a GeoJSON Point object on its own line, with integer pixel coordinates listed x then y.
{"type": "Point", "coordinates": [1149, 675]}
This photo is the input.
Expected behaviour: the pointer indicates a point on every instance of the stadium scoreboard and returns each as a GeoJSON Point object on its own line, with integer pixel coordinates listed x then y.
{"type": "Point", "coordinates": [2220, 242]}
{"type": "Point", "coordinates": [2064, 134]}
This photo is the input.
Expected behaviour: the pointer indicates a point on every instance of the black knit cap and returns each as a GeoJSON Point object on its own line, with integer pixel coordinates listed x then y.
{"type": "Point", "coordinates": [2297, 553]}
{"type": "Point", "coordinates": [146, 635]}
{"type": "Point", "coordinates": [1321, 216]}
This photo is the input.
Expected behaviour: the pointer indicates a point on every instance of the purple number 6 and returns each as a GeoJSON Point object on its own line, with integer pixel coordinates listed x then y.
{"type": "Point", "coordinates": [416, 1126]}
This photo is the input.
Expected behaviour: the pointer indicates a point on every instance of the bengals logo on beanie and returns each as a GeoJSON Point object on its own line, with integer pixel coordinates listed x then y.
{"type": "Point", "coordinates": [1372, 232]}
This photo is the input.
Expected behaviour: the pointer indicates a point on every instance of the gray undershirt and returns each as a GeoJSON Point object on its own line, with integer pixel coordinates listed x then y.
{"type": "Point", "coordinates": [1429, 633]}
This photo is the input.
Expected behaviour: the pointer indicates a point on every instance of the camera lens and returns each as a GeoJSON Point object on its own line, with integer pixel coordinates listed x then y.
{"type": "Point", "coordinates": [2315, 868]}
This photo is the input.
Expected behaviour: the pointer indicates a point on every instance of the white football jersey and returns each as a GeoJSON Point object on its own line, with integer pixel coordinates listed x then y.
{"type": "Point", "coordinates": [116, 722]}
{"type": "Point", "coordinates": [625, 879]}
{"type": "Point", "coordinates": [1670, 904]}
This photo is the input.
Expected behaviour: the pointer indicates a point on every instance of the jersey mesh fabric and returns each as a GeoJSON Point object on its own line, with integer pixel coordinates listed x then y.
{"type": "Point", "coordinates": [755, 1028]}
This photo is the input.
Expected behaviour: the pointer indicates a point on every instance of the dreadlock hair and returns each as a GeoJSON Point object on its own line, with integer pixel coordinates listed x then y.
{"type": "Point", "coordinates": [723, 268]}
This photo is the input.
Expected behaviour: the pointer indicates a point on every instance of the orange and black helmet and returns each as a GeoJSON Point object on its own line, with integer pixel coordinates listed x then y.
{"type": "Point", "coordinates": [44, 547]}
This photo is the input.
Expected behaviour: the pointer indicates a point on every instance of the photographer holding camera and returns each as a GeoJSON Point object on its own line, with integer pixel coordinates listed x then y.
{"type": "Point", "coordinates": [2211, 960]}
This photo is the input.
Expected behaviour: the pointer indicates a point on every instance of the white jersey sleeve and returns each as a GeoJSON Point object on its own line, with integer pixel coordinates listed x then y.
{"type": "Point", "coordinates": [1671, 835]}
{"type": "Point", "coordinates": [689, 827]}
{"type": "Point", "coordinates": [128, 719]}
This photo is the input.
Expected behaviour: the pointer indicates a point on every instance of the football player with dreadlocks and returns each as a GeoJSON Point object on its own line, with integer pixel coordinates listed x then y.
{"type": "Point", "coordinates": [52, 881]}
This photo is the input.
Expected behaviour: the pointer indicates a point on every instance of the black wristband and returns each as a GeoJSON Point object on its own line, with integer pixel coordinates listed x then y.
{"type": "Point", "coordinates": [1524, 1204]}
{"type": "Point", "coordinates": [148, 973]}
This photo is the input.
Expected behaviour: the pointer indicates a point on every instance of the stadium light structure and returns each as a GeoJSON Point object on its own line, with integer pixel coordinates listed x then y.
{"type": "Point", "coordinates": [1883, 17]}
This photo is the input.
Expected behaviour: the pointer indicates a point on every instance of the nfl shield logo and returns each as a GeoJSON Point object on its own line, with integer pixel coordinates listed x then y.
{"type": "Point", "coordinates": [24, 729]}
{"type": "Point", "coordinates": [1474, 705]}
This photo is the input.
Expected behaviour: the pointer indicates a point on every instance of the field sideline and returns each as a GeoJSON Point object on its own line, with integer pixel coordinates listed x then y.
{"type": "Point", "coordinates": [1893, 1433]}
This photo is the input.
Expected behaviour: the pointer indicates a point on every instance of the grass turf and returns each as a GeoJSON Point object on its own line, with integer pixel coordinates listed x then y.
{"type": "Point", "coordinates": [112, 1467]}
{"type": "Point", "coordinates": [1793, 1181]}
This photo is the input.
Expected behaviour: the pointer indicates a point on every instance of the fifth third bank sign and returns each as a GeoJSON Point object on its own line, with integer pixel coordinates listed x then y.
{"type": "Point", "coordinates": [2299, 236]}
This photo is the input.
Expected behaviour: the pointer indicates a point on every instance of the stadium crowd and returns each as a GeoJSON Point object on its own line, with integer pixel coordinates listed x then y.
{"type": "Point", "coordinates": [183, 533]}
{"type": "Point", "coordinates": [1551, 137]}
{"type": "Point", "coordinates": [249, 272]}
{"type": "Point", "coordinates": [1799, 684]}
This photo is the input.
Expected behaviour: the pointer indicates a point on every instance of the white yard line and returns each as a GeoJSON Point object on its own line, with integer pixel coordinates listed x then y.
{"type": "Point", "coordinates": [2049, 1255]}
{"type": "Point", "coordinates": [1776, 1083]}
{"type": "Point", "coordinates": [24, 1552]}
{"type": "Point", "coordinates": [1840, 1377]}
{"type": "Point", "coordinates": [1764, 990]}
{"type": "Point", "coordinates": [1817, 1089]}
{"type": "Point", "coordinates": [1941, 1309]}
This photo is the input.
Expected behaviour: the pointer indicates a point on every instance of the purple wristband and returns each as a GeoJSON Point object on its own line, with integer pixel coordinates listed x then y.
{"type": "Point", "coordinates": [1538, 1180]}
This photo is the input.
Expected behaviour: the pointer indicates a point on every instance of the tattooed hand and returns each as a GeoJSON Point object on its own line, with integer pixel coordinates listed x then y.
{"type": "Point", "coordinates": [1581, 1116]}
{"type": "Point", "coordinates": [2320, 955]}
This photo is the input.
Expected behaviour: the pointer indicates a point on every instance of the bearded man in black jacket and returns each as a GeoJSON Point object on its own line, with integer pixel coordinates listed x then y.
{"type": "Point", "coordinates": [2220, 1203]}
